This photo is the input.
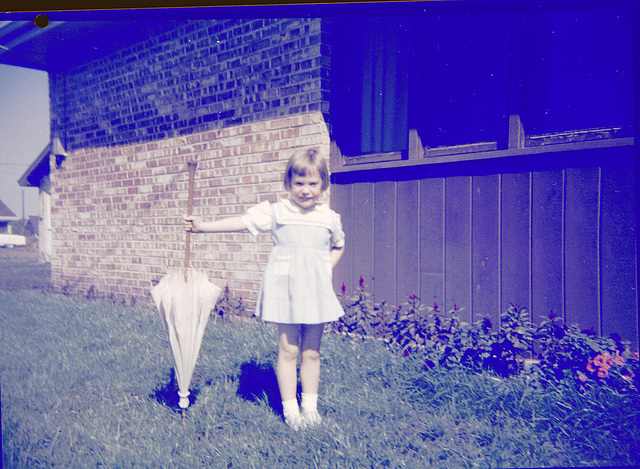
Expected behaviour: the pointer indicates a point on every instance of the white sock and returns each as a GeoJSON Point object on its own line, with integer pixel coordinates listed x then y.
{"type": "Point", "coordinates": [309, 403]}
{"type": "Point", "coordinates": [290, 409]}
{"type": "Point", "coordinates": [310, 410]}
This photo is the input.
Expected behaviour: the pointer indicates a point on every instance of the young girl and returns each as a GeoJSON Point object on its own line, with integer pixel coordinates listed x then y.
{"type": "Point", "coordinates": [296, 291]}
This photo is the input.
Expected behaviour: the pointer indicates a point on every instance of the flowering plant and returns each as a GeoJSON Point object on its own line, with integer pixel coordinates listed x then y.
{"type": "Point", "coordinates": [553, 352]}
{"type": "Point", "coordinates": [615, 369]}
{"type": "Point", "coordinates": [228, 305]}
{"type": "Point", "coordinates": [364, 318]}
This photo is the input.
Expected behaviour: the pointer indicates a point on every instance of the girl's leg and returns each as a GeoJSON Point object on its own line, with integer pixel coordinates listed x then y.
{"type": "Point", "coordinates": [286, 371]}
{"type": "Point", "coordinates": [310, 372]}
{"type": "Point", "coordinates": [310, 366]}
{"type": "Point", "coordinates": [293, 337]}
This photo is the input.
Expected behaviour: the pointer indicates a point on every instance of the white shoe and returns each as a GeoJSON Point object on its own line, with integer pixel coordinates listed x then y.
{"type": "Point", "coordinates": [311, 418]}
{"type": "Point", "coordinates": [296, 422]}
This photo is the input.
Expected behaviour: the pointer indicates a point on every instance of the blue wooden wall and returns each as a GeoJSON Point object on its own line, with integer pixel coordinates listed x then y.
{"type": "Point", "coordinates": [548, 228]}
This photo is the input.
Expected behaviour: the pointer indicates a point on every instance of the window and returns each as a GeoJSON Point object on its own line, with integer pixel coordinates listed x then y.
{"type": "Point", "coordinates": [456, 78]}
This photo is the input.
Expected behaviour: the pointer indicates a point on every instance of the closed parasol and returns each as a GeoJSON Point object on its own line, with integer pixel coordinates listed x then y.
{"type": "Point", "coordinates": [185, 299]}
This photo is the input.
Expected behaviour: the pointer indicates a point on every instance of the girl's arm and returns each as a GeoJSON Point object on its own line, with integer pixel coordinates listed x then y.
{"type": "Point", "coordinates": [196, 225]}
{"type": "Point", "coordinates": [336, 254]}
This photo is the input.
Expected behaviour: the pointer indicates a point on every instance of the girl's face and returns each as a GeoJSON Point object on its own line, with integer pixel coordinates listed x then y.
{"type": "Point", "coordinates": [305, 190]}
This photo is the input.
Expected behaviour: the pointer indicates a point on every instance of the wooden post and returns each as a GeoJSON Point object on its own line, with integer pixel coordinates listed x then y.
{"type": "Point", "coordinates": [516, 132]}
{"type": "Point", "coordinates": [335, 156]}
{"type": "Point", "coordinates": [416, 149]}
{"type": "Point", "coordinates": [192, 173]}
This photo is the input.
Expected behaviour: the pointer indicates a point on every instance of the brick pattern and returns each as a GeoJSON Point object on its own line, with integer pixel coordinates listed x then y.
{"type": "Point", "coordinates": [238, 96]}
{"type": "Point", "coordinates": [200, 76]}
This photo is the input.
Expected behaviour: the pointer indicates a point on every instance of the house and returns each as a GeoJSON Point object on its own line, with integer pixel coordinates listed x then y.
{"type": "Point", "coordinates": [6, 216]}
{"type": "Point", "coordinates": [480, 156]}
{"type": "Point", "coordinates": [7, 238]}
{"type": "Point", "coordinates": [37, 175]}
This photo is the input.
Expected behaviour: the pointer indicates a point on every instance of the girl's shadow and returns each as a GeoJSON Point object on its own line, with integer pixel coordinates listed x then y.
{"type": "Point", "coordinates": [257, 382]}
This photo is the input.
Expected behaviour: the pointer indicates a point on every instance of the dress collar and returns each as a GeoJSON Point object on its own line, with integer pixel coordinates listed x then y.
{"type": "Point", "coordinates": [292, 207]}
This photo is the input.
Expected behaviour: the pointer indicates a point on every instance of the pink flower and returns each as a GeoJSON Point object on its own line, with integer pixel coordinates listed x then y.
{"type": "Point", "coordinates": [602, 359]}
{"type": "Point", "coordinates": [582, 377]}
{"type": "Point", "coordinates": [603, 373]}
{"type": "Point", "coordinates": [590, 366]}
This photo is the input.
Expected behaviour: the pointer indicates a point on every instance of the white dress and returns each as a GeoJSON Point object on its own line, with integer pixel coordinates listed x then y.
{"type": "Point", "coordinates": [297, 284]}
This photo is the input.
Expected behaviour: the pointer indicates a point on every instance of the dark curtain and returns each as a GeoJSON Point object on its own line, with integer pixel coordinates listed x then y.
{"type": "Point", "coordinates": [385, 92]}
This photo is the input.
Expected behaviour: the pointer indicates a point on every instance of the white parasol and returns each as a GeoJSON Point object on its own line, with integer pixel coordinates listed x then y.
{"type": "Point", "coordinates": [185, 299]}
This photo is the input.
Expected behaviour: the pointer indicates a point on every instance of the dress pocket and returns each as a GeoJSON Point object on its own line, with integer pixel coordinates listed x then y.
{"type": "Point", "coordinates": [282, 264]}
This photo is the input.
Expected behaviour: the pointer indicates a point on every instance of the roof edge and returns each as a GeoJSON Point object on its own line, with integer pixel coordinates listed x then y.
{"type": "Point", "coordinates": [27, 179]}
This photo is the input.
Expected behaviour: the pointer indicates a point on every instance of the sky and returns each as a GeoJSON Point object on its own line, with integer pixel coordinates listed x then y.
{"type": "Point", "coordinates": [24, 132]}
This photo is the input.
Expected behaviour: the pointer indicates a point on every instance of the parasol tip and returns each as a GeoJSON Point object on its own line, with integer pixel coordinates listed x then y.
{"type": "Point", "coordinates": [184, 400]}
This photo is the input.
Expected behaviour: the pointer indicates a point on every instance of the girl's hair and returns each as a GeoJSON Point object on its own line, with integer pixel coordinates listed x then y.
{"type": "Point", "coordinates": [304, 162]}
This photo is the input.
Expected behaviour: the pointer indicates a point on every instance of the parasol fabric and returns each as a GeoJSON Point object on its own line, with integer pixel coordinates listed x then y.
{"type": "Point", "coordinates": [185, 299]}
{"type": "Point", "coordinates": [185, 307]}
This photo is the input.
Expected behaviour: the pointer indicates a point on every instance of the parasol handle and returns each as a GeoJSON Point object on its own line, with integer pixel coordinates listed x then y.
{"type": "Point", "coordinates": [192, 174]}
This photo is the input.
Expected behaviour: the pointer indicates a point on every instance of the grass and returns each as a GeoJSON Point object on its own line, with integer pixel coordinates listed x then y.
{"type": "Point", "coordinates": [88, 383]}
{"type": "Point", "coordinates": [21, 269]}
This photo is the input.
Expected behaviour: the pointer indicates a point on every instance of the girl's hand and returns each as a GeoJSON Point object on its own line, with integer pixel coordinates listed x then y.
{"type": "Point", "coordinates": [336, 254]}
{"type": "Point", "coordinates": [192, 224]}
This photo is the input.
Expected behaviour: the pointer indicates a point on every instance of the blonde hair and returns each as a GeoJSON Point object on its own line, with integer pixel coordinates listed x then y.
{"type": "Point", "coordinates": [304, 162]}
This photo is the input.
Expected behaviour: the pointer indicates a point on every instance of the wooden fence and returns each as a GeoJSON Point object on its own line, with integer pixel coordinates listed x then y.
{"type": "Point", "coordinates": [550, 227]}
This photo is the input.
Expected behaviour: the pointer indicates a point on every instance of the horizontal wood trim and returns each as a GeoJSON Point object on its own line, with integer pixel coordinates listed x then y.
{"type": "Point", "coordinates": [487, 155]}
{"type": "Point", "coordinates": [372, 158]}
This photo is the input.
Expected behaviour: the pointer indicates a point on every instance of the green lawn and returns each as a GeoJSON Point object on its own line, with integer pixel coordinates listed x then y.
{"type": "Point", "coordinates": [88, 383]}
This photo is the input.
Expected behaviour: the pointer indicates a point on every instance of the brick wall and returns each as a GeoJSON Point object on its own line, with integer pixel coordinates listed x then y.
{"type": "Point", "coordinates": [237, 96]}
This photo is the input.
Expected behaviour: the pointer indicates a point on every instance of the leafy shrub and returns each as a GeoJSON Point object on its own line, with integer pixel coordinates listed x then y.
{"type": "Point", "coordinates": [565, 349]}
{"type": "Point", "coordinates": [228, 305]}
{"type": "Point", "coordinates": [569, 354]}
{"type": "Point", "coordinates": [409, 327]}
{"type": "Point", "coordinates": [478, 347]}
{"type": "Point", "coordinates": [363, 318]}
{"type": "Point", "coordinates": [513, 342]}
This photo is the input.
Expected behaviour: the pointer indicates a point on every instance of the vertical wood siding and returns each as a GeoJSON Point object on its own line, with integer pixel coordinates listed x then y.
{"type": "Point", "coordinates": [553, 232]}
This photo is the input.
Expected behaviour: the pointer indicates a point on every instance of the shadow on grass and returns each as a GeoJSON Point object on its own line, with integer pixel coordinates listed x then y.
{"type": "Point", "coordinates": [167, 394]}
{"type": "Point", "coordinates": [257, 382]}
